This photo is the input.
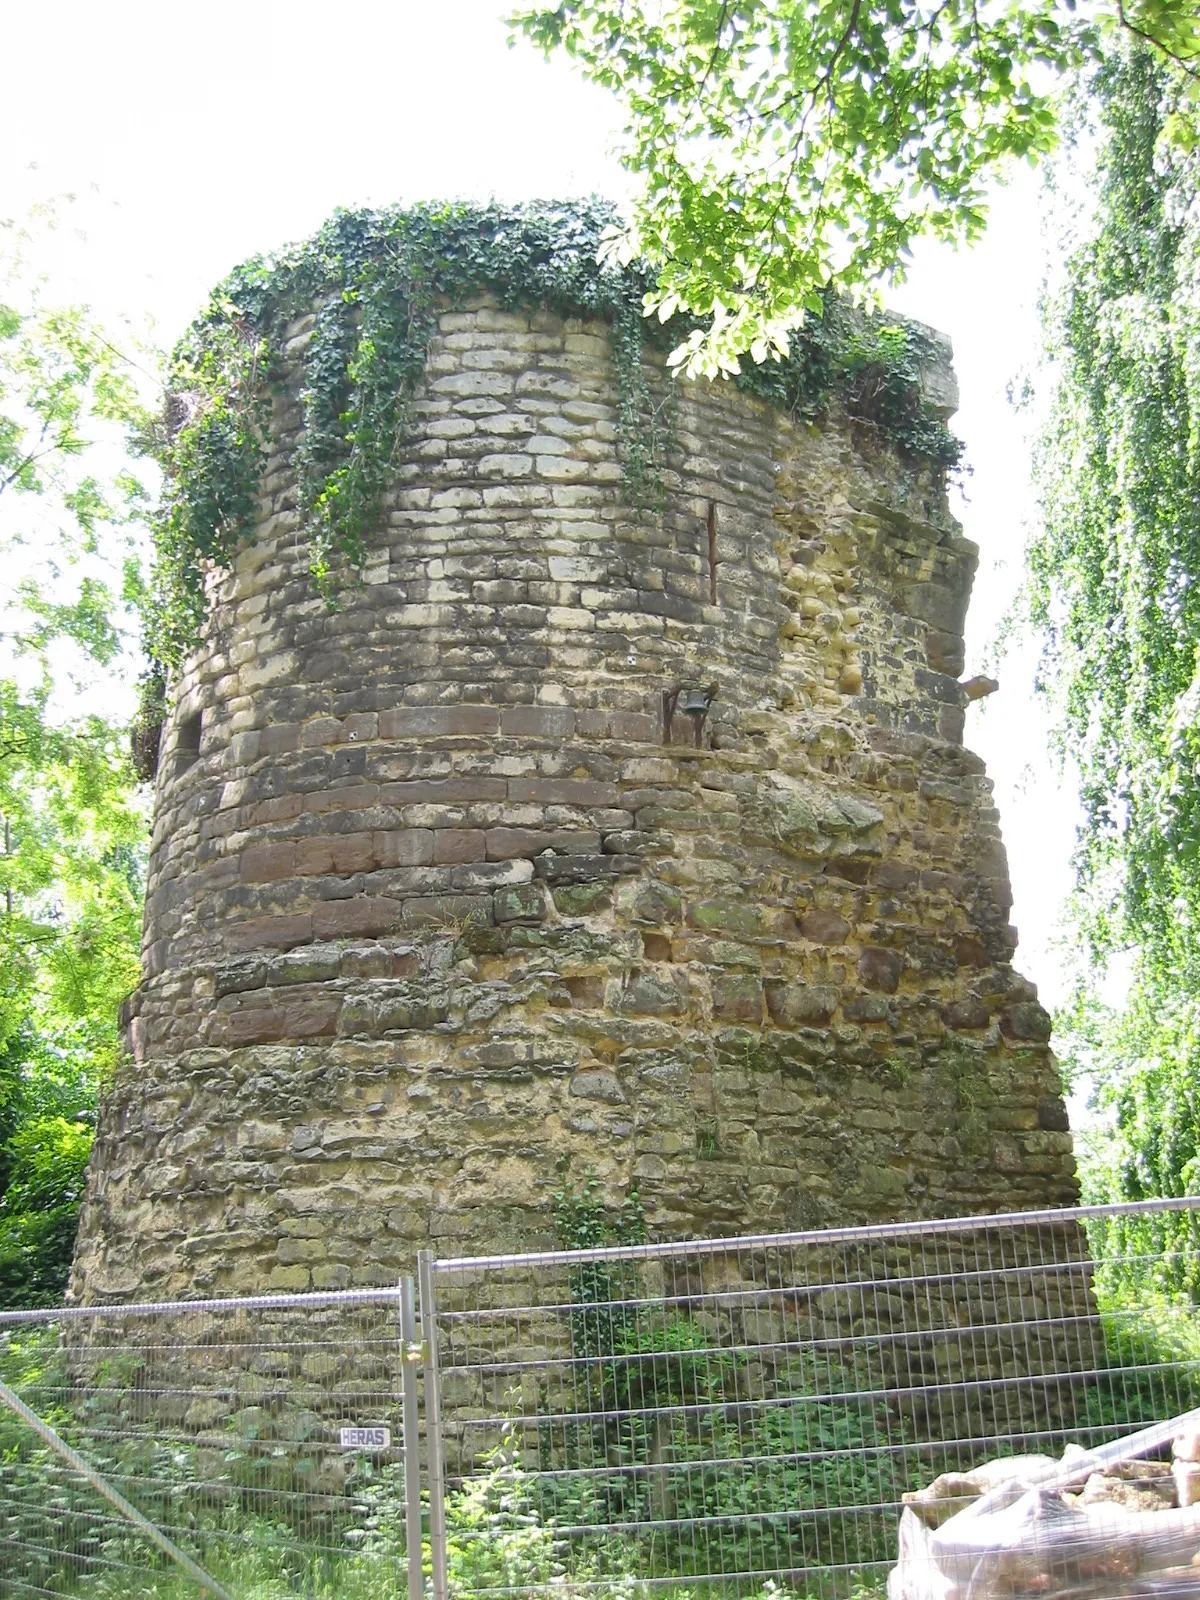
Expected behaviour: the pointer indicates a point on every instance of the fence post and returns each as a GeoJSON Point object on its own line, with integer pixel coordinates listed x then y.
{"type": "Point", "coordinates": [410, 1356]}
{"type": "Point", "coordinates": [433, 1425]}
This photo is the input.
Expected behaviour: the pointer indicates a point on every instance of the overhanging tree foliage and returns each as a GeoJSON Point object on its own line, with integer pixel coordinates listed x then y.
{"type": "Point", "coordinates": [784, 146]}
{"type": "Point", "coordinates": [1114, 584]}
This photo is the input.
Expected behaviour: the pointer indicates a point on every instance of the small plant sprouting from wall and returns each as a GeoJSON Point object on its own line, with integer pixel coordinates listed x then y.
{"type": "Point", "coordinates": [372, 284]}
{"type": "Point", "coordinates": [708, 1144]}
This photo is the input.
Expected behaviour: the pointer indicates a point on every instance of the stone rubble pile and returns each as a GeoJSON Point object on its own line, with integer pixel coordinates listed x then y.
{"type": "Point", "coordinates": [1032, 1526]}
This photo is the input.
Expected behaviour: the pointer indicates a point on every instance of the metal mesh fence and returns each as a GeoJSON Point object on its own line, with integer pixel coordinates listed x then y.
{"type": "Point", "coordinates": [793, 1410]}
{"type": "Point", "coordinates": [750, 1411]}
{"type": "Point", "coordinates": [263, 1438]}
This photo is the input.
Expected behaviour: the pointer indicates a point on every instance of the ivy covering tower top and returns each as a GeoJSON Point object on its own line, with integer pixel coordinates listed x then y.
{"type": "Point", "coordinates": [374, 281]}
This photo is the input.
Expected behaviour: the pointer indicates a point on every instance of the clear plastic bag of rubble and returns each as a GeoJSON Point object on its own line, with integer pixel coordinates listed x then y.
{"type": "Point", "coordinates": [1011, 1529]}
{"type": "Point", "coordinates": [1039, 1545]}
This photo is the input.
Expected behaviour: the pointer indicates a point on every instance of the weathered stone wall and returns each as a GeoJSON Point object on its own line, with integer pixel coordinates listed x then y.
{"type": "Point", "coordinates": [437, 898]}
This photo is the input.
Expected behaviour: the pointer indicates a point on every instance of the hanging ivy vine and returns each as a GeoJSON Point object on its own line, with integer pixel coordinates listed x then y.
{"type": "Point", "coordinates": [373, 283]}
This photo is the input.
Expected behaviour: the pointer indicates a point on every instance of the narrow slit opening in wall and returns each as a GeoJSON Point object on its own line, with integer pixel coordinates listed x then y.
{"type": "Point", "coordinates": [712, 551]}
{"type": "Point", "coordinates": [187, 745]}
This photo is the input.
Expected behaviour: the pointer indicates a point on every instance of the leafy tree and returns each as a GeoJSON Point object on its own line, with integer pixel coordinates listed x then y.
{"type": "Point", "coordinates": [783, 146]}
{"type": "Point", "coordinates": [1114, 584]}
{"type": "Point", "coordinates": [72, 829]}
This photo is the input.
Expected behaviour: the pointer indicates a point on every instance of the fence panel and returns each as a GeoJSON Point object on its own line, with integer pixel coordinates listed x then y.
{"type": "Point", "coordinates": [701, 1415]}
{"type": "Point", "coordinates": [264, 1437]}
{"type": "Point", "coordinates": [739, 1411]}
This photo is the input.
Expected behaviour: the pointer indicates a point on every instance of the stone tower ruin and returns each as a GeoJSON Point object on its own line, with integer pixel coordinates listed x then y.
{"type": "Point", "coordinates": [647, 843]}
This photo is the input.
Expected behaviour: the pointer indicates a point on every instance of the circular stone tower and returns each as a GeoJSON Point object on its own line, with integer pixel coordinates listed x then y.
{"type": "Point", "coordinates": [644, 842]}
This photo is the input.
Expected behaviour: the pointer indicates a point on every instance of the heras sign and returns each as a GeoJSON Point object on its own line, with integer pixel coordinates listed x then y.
{"type": "Point", "coordinates": [365, 1438]}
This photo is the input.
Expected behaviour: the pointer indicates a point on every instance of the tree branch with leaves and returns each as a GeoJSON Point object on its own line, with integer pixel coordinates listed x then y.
{"type": "Point", "coordinates": [782, 148]}
{"type": "Point", "coordinates": [74, 826]}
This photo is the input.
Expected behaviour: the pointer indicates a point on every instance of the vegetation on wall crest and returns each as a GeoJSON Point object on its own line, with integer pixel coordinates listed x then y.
{"type": "Point", "coordinates": [373, 283]}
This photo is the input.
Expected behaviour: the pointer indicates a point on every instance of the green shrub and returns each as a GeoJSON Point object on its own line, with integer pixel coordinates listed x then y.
{"type": "Point", "coordinates": [49, 1157]}
{"type": "Point", "coordinates": [800, 1481]}
{"type": "Point", "coordinates": [35, 1256]}
{"type": "Point", "coordinates": [1146, 1288]}
{"type": "Point", "coordinates": [43, 1164]}
{"type": "Point", "coordinates": [712, 1468]}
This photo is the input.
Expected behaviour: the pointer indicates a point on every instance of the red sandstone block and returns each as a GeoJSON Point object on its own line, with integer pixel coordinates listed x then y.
{"type": "Point", "coordinates": [966, 1014]}
{"type": "Point", "coordinates": [563, 870]}
{"type": "Point", "coordinates": [352, 797]}
{"type": "Point", "coordinates": [562, 792]}
{"type": "Point", "coordinates": [824, 927]}
{"type": "Point", "coordinates": [880, 969]}
{"type": "Point", "coordinates": [404, 847]}
{"type": "Point", "coordinates": [510, 617]}
{"type": "Point", "coordinates": [894, 875]}
{"type": "Point", "coordinates": [360, 725]}
{"type": "Point", "coordinates": [313, 857]}
{"type": "Point", "coordinates": [738, 997]}
{"type": "Point", "coordinates": [443, 791]}
{"type": "Point", "coordinates": [538, 722]}
{"type": "Point", "coordinates": [218, 874]}
{"type": "Point", "coordinates": [279, 738]}
{"type": "Point", "coordinates": [454, 846]}
{"type": "Point", "coordinates": [223, 823]}
{"type": "Point", "coordinates": [948, 883]}
{"type": "Point", "coordinates": [478, 875]}
{"type": "Point", "coordinates": [252, 1025]}
{"type": "Point", "coordinates": [969, 952]}
{"type": "Point", "coordinates": [322, 730]}
{"type": "Point", "coordinates": [353, 852]}
{"type": "Point", "coordinates": [635, 727]}
{"type": "Point", "coordinates": [434, 816]}
{"type": "Point", "coordinates": [511, 844]}
{"type": "Point", "coordinates": [801, 1005]}
{"type": "Point", "coordinates": [1027, 1020]}
{"type": "Point", "coordinates": [282, 809]}
{"type": "Point", "coordinates": [155, 957]}
{"type": "Point", "coordinates": [266, 863]}
{"type": "Point", "coordinates": [434, 722]}
{"type": "Point", "coordinates": [364, 916]}
{"type": "Point", "coordinates": [244, 748]}
{"type": "Point", "coordinates": [269, 933]}
{"type": "Point", "coordinates": [309, 1016]}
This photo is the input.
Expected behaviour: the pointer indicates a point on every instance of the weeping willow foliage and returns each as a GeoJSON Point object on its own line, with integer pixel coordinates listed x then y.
{"type": "Point", "coordinates": [1114, 582]}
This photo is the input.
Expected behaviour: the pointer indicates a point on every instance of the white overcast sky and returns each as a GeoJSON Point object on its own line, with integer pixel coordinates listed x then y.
{"type": "Point", "coordinates": [197, 135]}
